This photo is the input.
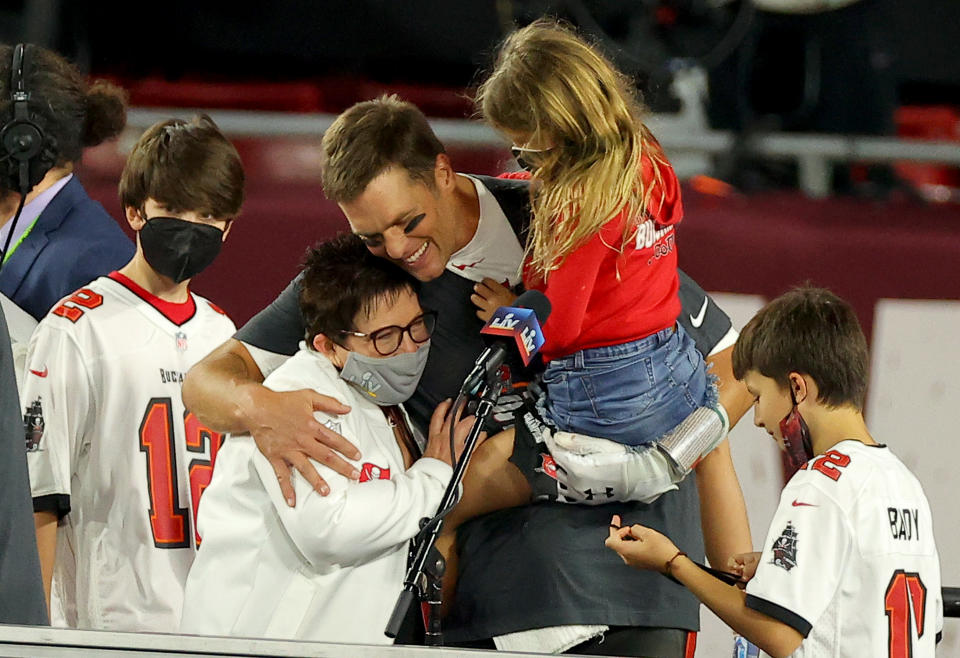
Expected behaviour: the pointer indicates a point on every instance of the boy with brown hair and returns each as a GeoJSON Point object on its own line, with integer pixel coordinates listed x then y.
{"type": "Point", "coordinates": [849, 566]}
{"type": "Point", "coordinates": [115, 459]}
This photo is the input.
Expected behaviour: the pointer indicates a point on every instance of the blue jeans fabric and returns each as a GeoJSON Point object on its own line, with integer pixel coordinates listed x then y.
{"type": "Point", "coordinates": [631, 393]}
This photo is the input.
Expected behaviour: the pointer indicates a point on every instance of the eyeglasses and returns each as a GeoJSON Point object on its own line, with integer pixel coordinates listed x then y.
{"type": "Point", "coordinates": [386, 340]}
{"type": "Point", "coordinates": [527, 162]}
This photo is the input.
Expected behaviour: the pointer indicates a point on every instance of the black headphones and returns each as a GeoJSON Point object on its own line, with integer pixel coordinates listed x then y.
{"type": "Point", "coordinates": [25, 154]}
{"type": "Point", "coordinates": [25, 157]}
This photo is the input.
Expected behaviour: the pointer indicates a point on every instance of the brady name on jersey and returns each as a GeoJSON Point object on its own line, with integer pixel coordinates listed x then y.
{"type": "Point", "coordinates": [850, 554]}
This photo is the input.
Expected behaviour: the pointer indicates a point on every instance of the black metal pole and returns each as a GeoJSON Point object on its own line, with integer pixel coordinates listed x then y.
{"type": "Point", "coordinates": [424, 576]}
{"type": "Point", "coordinates": [951, 601]}
{"type": "Point", "coordinates": [430, 606]}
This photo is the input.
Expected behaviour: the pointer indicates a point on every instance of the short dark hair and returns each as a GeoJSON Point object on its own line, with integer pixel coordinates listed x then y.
{"type": "Point", "coordinates": [72, 113]}
{"type": "Point", "coordinates": [371, 137]}
{"type": "Point", "coordinates": [186, 166]}
{"type": "Point", "coordinates": [810, 331]}
{"type": "Point", "coordinates": [342, 280]}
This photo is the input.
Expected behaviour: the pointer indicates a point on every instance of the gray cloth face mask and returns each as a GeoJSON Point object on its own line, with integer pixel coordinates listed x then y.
{"type": "Point", "coordinates": [389, 380]}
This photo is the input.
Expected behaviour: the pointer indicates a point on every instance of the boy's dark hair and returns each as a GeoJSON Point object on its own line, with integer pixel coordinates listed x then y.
{"type": "Point", "coordinates": [72, 113]}
{"type": "Point", "coordinates": [341, 280]}
{"type": "Point", "coordinates": [184, 165]}
{"type": "Point", "coordinates": [810, 331]}
{"type": "Point", "coordinates": [372, 136]}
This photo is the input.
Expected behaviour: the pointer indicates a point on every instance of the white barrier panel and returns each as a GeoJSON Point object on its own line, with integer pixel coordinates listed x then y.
{"type": "Point", "coordinates": [914, 394]}
{"type": "Point", "coordinates": [756, 458]}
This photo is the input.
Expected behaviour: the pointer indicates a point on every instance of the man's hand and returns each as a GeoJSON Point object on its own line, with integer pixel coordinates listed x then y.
{"type": "Point", "coordinates": [639, 546]}
{"type": "Point", "coordinates": [744, 565]}
{"type": "Point", "coordinates": [438, 443]}
{"type": "Point", "coordinates": [288, 434]}
{"type": "Point", "coordinates": [224, 390]}
{"type": "Point", "coordinates": [488, 296]}
{"type": "Point", "coordinates": [596, 471]}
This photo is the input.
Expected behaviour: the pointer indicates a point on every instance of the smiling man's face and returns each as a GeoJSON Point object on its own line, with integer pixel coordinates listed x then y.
{"type": "Point", "coordinates": [405, 221]}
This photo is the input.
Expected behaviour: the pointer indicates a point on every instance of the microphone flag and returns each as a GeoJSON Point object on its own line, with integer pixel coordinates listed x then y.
{"type": "Point", "coordinates": [520, 325]}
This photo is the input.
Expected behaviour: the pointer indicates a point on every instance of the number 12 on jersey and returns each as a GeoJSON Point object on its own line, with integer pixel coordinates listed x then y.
{"type": "Point", "coordinates": [170, 522]}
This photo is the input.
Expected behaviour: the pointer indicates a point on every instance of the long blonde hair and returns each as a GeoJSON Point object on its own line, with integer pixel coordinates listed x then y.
{"type": "Point", "coordinates": [549, 84]}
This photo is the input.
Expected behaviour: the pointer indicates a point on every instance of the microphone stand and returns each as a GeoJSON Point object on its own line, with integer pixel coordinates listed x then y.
{"type": "Point", "coordinates": [425, 573]}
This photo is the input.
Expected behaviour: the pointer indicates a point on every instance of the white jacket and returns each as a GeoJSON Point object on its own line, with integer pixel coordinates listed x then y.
{"type": "Point", "coordinates": [329, 569]}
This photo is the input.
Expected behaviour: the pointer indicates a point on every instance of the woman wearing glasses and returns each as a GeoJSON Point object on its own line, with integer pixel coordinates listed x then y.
{"type": "Point", "coordinates": [331, 567]}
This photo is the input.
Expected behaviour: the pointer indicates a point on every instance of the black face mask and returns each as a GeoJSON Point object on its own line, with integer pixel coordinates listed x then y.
{"type": "Point", "coordinates": [179, 249]}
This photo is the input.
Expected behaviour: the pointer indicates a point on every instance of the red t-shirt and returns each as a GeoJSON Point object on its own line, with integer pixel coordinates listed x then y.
{"type": "Point", "coordinates": [591, 307]}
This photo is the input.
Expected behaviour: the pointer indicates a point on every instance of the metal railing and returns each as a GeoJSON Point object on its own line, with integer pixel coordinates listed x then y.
{"type": "Point", "coordinates": [814, 153]}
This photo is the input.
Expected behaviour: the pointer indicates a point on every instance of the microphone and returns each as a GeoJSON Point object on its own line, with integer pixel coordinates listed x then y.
{"type": "Point", "coordinates": [511, 325]}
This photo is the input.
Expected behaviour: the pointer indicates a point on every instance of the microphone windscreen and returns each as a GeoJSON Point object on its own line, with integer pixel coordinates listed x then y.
{"type": "Point", "coordinates": [537, 302]}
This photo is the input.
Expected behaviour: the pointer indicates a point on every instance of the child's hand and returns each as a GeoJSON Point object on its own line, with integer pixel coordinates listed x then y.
{"type": "Point", "coordinates": [640, 547]}
{"type": "Point", "coordinates": [488, 296]}
{"type": "Point", "coordinates": [744, 565]}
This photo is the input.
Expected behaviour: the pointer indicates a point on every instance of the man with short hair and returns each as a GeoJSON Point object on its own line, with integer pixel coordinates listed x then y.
{"type": "Point", "coordinates": [397, 187]}
{"type": "Point", "coordinates": [850, 566]}
{"type": "Point", "coordinates": [115, 460]}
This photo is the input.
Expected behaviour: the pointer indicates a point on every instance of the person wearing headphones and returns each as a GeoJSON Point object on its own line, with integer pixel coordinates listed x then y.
{"type": "Point", "coordinates": [53, 237]}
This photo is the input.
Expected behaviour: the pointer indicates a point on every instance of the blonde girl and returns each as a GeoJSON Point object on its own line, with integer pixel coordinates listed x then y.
{"type": "Point", "coordinates": [601, 244]}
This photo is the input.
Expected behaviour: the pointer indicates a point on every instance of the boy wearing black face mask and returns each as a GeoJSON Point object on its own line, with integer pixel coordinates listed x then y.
{"type": "Point", "coordinates": [115, 459]}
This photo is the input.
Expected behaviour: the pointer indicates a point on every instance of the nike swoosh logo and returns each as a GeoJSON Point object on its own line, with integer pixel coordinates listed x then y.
{"type": "Point", "coordinates": [40, 373]}
{"type": "Point", "coordinates": [697, 320]}
{"type": "Point", "coordinates": [797, 503]}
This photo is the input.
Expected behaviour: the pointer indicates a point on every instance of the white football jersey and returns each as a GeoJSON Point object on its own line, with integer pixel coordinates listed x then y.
{"type": "Point", "coordinates": [110, 445]}
{"type": "Point", "coordinates": [850, 559]}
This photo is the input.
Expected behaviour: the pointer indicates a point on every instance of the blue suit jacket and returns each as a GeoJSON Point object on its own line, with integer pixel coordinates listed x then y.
{"type": "Point", "coordinates": [73, 242]}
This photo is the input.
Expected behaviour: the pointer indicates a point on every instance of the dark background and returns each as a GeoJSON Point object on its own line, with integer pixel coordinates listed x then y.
{"type": "Point", "coordinates": [842, 70]}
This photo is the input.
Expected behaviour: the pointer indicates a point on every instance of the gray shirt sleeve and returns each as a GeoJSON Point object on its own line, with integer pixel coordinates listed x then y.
{"type": "Point", "coordinates": [279, 327]}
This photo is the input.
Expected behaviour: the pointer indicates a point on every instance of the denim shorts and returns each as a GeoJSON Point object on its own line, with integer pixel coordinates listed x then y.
{"type": "Point", "coordinates": [631, 393]}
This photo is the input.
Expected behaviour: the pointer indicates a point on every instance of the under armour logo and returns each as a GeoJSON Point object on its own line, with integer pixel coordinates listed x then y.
{"type": "Point", "coordinates": [608, 492]}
